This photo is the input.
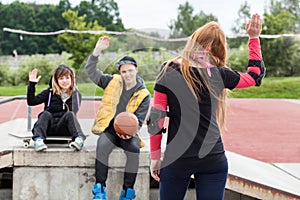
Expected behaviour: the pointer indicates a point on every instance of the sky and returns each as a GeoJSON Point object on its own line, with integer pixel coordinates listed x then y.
{"type": "Point", "coordinates": [141, 14]}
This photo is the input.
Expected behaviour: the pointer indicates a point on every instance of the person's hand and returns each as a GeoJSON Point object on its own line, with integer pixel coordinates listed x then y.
{"type": "Point", "coordinates": [254, 26]}
{"type": "Point", "coordinates": [33, 76]}
{"type": "Point", "coordinates": [124, 137]}
{"type": "Point", "coordinates": [102, 43]}
{"type": "Point", "coordinates": [155, 169]}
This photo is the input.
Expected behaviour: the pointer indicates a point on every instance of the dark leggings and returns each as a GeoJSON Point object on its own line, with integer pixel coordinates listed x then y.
{"type": "Point", "coordinates": [209, 182]}
{"type": "Point", "coordinates": [67, 125]}
{"type": "Point", "coordinates": [107, 141]}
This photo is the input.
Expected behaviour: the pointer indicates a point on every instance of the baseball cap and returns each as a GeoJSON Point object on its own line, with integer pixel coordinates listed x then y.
{"type": "Point", "coordinates": [126, 60]}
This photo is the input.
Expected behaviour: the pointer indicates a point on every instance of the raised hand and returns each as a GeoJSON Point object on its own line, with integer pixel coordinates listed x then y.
{"type": "Point", "coordinates": [102, 43]}
{"type": "Point", "coordinates": [33, 76]}
{"type": "Point", "coordinates": [254, 26]}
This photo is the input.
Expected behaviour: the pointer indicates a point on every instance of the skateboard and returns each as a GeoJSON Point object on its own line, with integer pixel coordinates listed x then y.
{"type": "Point", "coordinates": [26, 139]}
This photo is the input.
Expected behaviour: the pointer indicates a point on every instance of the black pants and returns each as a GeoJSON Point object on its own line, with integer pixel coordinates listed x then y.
{"type": "Point", "coordinates": [67, 125]}
{"type": "Point", "coordinates": [107, 141]}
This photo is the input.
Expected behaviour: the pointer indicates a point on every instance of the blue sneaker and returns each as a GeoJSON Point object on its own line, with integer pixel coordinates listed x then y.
{"type": "Point", "coordinates": [39, 144]}
{"type": "Point", "coordinates": [99, 192]}
{"type": "Point", "coordinates": [129, 194]}
{"type": "Point", "coordinates": [77, 143]}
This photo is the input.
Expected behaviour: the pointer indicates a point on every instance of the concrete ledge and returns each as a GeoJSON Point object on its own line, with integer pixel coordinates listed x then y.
{"type": "Point", "coordinates": [6, 159]}
{"type": "Point", "coordinates": [64, 157]}
{"type": "Point", "coordinates": [63, 170]}
{"type": "Point", "coordinates": [61, 183]}
{"type": "Point", "coordinates": [260, 180]}
{"type": "Point", "coordinates": [62, 173]}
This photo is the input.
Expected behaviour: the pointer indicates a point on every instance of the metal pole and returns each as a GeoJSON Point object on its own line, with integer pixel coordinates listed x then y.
{"type": "Point", "coordinates": [28, 118]}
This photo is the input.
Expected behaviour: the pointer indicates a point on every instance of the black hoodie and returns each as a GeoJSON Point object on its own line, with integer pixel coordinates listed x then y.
{"type": "Point", "coordinates": [53, 102]}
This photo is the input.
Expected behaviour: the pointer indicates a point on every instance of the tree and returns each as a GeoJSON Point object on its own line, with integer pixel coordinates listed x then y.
{"type": "Point", "coordinates": [243, 16]}
{"type": "Point", "coordinates": [105, 12]}
{"type": "Point", "coordinates": [281, 53]}
{"type": "Point", "coordinates": [186, 23]}
{"type": "Point", "coordinates": [48, 18]}
{"type": "Point", "coordinates": [239, 26]}
{"type": "Point", "coordinates": [79, 45]}
{"type": "Point", "coordinates": [292, 6]}
{"type": "Point", "coordinates": [35, 18]}
{"type": "Point", "coordinates": [18, 16]}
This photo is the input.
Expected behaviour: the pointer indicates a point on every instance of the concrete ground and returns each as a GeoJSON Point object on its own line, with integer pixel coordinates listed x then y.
{"type": "Point", "coordinates": [262, 139]}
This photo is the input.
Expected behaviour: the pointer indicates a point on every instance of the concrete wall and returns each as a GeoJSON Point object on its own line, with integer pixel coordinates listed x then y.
{"type": "Point", "coordinates": [62, 173]}
{"type": "Point", "coordinates": [63, 183]}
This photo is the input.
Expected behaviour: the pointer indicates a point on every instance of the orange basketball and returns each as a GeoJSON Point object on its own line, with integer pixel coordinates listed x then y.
{"type": "Point", "coordinates": [126, 123]}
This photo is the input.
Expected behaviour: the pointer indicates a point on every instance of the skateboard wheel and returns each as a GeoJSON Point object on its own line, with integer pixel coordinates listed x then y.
{"type": "Point", "coordinates": [26, 144]}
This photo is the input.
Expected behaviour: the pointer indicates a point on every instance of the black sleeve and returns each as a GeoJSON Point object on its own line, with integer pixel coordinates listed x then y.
{"type": "Point", "coordinates": [230, 77]}
{"type": "Point", "coordinates": [33, 100]}
{"type": "Point", "coordinates": [160, 88]}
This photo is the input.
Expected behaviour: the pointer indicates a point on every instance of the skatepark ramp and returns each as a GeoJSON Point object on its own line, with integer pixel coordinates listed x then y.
{"type": "Point", "coordinates": [62, 173]}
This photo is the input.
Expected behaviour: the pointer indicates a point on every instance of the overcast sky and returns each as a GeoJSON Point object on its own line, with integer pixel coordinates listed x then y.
{"type": "Point", "coordinates": [159, 13]}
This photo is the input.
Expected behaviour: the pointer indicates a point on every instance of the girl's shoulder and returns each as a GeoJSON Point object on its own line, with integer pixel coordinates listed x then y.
{"type": "Point", "coordinates": [227, 71]}
{"type": "Point", "coordinates": [47, 90]}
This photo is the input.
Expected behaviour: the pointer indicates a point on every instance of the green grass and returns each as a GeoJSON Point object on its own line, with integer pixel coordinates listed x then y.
{"type": "Point", "coordinates": [285, 88]}
{"type": "Point", "coordinates": [288, 88]}
{"type": "Point", "coordinates": [86, 89]}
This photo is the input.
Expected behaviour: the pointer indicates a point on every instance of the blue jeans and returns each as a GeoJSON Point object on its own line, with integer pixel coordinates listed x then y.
{"type": "Point", "coordinates": [209, 182]}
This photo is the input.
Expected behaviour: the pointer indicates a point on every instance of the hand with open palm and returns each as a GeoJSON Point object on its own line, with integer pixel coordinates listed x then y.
{"type": "Point", "coordinates": [33, 76]}
{"type": "Point", "coordinates": [254, 26]}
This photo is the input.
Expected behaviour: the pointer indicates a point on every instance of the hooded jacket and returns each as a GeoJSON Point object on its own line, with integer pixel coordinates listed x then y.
{"type": "Point", "coordinates": [110, 100]}
{"type": "Point", "coordinates": [53, 102]}
{"type": "Point", "coordinates": [113, 85]}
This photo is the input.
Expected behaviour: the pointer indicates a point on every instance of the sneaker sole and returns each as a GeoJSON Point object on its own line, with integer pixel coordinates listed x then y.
{"type": "Point", "coordinates": [75, 146]}
{"type": "Point", "coordinates": [41, 149]}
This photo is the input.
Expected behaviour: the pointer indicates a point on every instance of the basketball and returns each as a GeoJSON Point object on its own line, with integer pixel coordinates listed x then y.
{"type": "Point", "coordinates": [126, 123]}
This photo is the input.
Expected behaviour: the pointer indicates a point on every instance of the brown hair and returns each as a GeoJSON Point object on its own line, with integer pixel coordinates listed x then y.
{"type": "Point", "coordinates": [63, 70]}
{"type": "Point", "coordinates": [210, 40]}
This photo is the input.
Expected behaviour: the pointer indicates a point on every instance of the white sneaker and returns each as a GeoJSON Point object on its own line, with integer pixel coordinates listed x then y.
{"type": "Point", "coordinates": [39, 145]}
{"type": "Point", "coordinates": [77, 143]}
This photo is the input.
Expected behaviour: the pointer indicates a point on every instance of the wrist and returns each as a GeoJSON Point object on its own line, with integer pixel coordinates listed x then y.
{"type": "Point", "coordinates": [96, 53]}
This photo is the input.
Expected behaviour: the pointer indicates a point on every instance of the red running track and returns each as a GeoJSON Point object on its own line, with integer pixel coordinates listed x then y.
{"type": "Point", "coordinates": [264, 129]}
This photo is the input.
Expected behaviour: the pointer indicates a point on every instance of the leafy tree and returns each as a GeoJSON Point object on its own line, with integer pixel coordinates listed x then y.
{"type": "Point", "coordinates": [243, 16]}
{"type": "Point", "coordinates": [105, 12]}
{"type": "Point", "coordinates": [79, 45]}
{"type": "Point", "coordinates": [35, 18]}
{"type": "Point", "coordinates": [238, 57]}
{"type": "Point", "coordinates": [18, 16]}
{"type": "Point", "coordinates": [186, 23]}
{"type": "Point", "coordinates": [281, 53]}
{"type": "Point", "coordinates": [239, 26]}
{"type": "Point", "coordinates": [48, 18]}
{"type": "Point", "coordinates": [292, 6]}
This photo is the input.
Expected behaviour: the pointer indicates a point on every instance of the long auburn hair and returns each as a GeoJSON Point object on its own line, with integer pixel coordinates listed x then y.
{"type": "Point", "coordinates": [210, 41]}
{"type": "Point", "coordinates": [63, 70]}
